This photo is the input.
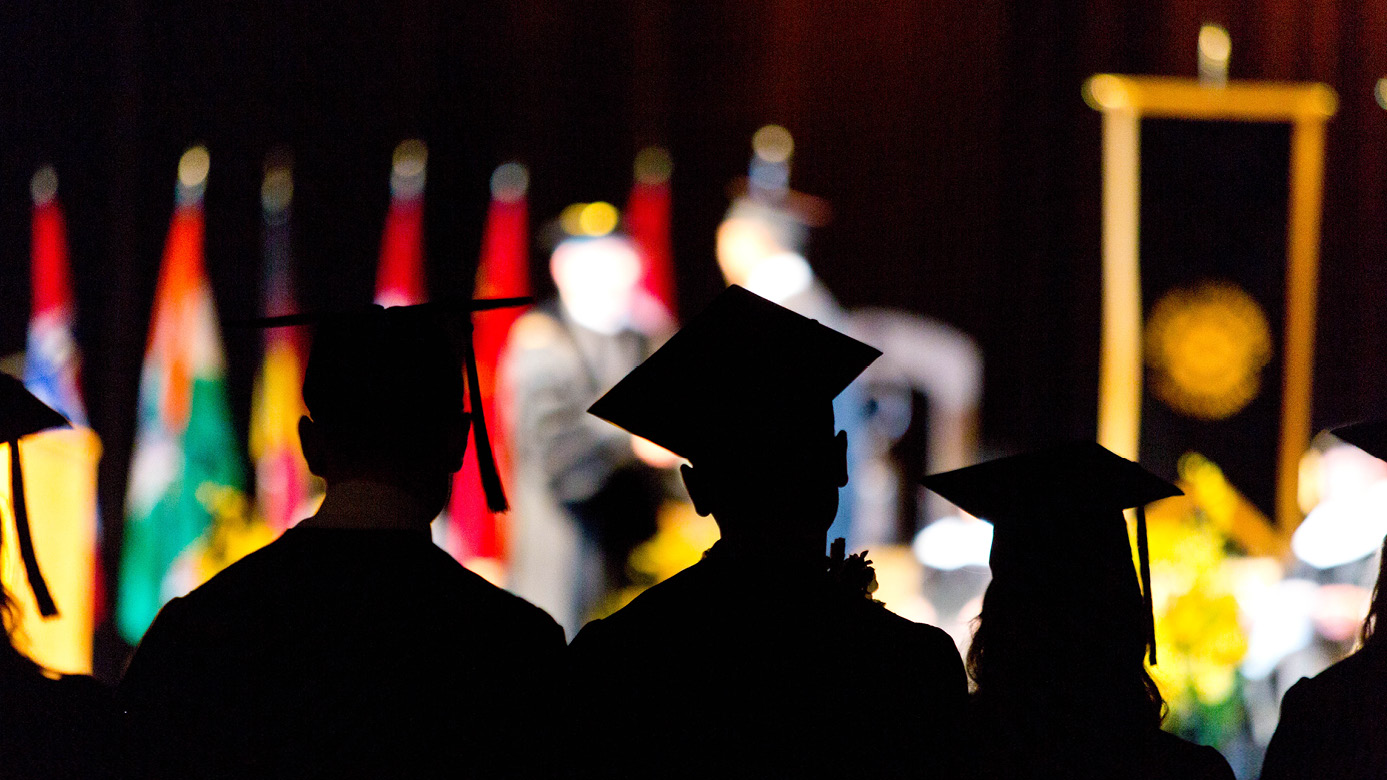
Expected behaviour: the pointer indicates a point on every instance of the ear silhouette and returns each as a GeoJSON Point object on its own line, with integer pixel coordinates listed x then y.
{"type": "Point", "coordinates": [698, 490]}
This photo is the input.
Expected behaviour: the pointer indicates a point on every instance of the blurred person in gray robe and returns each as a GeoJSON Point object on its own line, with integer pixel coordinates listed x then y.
{"type": "Point", "coordinates": [585, 493]}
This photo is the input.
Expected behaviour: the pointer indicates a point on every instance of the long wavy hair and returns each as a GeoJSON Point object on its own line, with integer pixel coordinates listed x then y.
{"type": "Point", "coordinates": [1368, 635]}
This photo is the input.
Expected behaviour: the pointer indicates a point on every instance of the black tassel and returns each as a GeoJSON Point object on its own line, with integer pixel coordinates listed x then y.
{"type": "Point", "coordinates": [1144, 559]}
{"type": "Point", "coordinates": [486, 459]}
{"type": "Point", "coordinates": [42, 597]}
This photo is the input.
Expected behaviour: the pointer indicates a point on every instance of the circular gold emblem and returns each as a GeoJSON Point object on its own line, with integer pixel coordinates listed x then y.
{"type": "Point", "coordinates": [1206, 347]}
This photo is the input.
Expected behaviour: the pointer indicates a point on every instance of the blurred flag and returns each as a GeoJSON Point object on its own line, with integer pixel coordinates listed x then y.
{"type": "Point", "coordinates": [400, 275]}
{"type": "Point", "coordinates": [503, 271]}
{"type": "Point", "coordinates": [648, 223]}
{"type": "Point", "coordinates": [59, 465]}
{"type": "Point", "coordinates": [185, 505]}
{"type": "Point", "coordinates": [282, 480]}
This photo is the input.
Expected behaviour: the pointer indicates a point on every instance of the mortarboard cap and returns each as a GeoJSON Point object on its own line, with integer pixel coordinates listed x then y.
{"type": "Point", "coordinates": [1060, 508]}
{"type": "Point", "coordinates": [397, 359]}
{"type": "Point", "coordinates": [743, 366]}
{"type": "Point", "coordinates": [20, 415]}
{"type": "Point", "coordinates": [1369, 436]}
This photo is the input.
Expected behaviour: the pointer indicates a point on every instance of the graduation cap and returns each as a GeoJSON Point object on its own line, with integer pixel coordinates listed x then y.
{"type": "Point", "coordinates": [1051, 506]}
{"type": "Point", "coordinates": [743, 367]}
{"type": "Point", "coordinates": [1370, 437]}
{"type": "Point", "coordinates": [20, 415]}
{"type": "Point", "coordinates": [374, 355]}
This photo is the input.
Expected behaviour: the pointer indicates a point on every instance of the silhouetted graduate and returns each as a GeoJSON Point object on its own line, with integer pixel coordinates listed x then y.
{"type": "Point", "coordinates": [352, 646]}
{"type": "Point", "coordinates": [50, 726]}
{"type": "Point", "coordinates": [1057, 656]}
{"type": "Point", "coordinates": [762, 660]}
{"type": "Point", "coordinates": [1332, 724]}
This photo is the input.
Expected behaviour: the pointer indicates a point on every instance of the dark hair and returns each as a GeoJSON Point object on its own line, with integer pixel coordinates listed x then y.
{"type": "Point", "coordinates": [1368, 633]}
{"type": "Point", "coordinates": [11, 659]}
{"type": "Point", "coordinates": [1090, 657]}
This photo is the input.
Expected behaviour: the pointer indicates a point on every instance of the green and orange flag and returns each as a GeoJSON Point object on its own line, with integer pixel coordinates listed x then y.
{"type": "Point", "coordinates": [185, 504]}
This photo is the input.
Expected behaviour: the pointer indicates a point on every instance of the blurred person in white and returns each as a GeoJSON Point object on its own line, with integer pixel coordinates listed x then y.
{"type": "Point", "coordinates": [1331, 724]}
{"type": "Point", "coordinates": [584, 492]}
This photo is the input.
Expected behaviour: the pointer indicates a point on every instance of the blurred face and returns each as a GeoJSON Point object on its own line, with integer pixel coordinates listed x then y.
{"type": "Point", "coordinates": [742, 245]}
{"type": "Point", "coordinates": [596, 279]}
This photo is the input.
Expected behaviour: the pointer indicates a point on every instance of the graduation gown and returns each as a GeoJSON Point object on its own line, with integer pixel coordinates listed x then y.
{"type": "Point", "coordinates": [737, 668]}
{"type": "Point", "coordinates": [53, 729]}
{"type": "Point", "coordinates": [1332, 724]}
{"type": "Point", "coordinates": [343, 653]}
{"type": "Point", "coordinates": [1050, 747]}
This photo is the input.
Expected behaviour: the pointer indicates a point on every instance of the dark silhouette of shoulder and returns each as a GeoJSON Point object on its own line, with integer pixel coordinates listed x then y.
{"type": "Point", "coordinates": [1331, 724]}
{"type": "Point", "coordinates": [53, 728]}
{"type": "Point", "coordinates": [743, 671]}
{"type": "Point", "coordinates": [398, 657]}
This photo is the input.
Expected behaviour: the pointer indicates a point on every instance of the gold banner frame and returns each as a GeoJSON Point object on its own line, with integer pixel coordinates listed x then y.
{"type": "Point", "coordinates": [1124, 101]}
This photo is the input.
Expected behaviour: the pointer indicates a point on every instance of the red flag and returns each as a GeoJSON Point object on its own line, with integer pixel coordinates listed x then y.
{"type": "Point", "coordinates": [648, 223]}
{"type": "Point", "coordinates": [400, 275]}
{"type": "Point", "coordinates": [504, 271]}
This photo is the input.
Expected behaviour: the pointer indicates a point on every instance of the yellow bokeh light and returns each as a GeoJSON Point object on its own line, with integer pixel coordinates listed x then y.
{"type": "Point", "coordinates": [193, 167]}
{"type": "Point", "coordinates": [597, 219]}
{"type": "Point", "coordinates": [570, 219]}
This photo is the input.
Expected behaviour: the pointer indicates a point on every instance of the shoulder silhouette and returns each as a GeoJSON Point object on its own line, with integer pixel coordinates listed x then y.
{"type": "Point", "coordinates": [352, 646]}
{"type": "Point", "coordinates": [1331, 724]}
{"type": "Point", "coordinates": [766, 658]}
{"type": "Point", "coordinates": [1066, 625]}
{"type": "Point", "coordinates": [51, 726]}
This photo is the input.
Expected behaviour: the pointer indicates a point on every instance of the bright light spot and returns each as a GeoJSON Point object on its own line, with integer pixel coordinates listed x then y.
{"type": "Point", "coordinates": [951, 543]}
{"type": "Point", "coordinates": [1380, 92]}
{"type": "Point", "coordinates": [596, 279]}
{"type": "Point", "coordinates": [597, 219]}
{"type": "Point", "coordinates": [773, 143]}
{"type": "Point", "coordinates": [44, 186]}
{"type": "Point", "coordinates": [570, 219]}
{"type": "Point", "coordinates": [1215, 48]}
{"type": "Point", "coordinates": [509, 182]}
{"type": "Point", "coordinates": [653, 165]}
{"type": "Point", "coordinates": [193, 167]}
{"type": "Point", "coordinates": [1103, 91]}
{"type": "Point", "coordinates": [277, 190]}
{"type": "Point", "coordinates": [1215, 43]}
{"type": "Point", "coordinates": [408, 165]}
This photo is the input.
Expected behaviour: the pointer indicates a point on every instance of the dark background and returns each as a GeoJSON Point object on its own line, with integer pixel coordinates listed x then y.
{"type": "Point", "coordinates": [950, 137]}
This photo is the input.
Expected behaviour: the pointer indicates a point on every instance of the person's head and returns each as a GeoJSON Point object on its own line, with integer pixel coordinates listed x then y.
{"type": "Point", "coordinates": [596, 279]}
{"type": "Point", "coordinates": [384, 393]}
{"type": "Point", "coordinates": [1072, 641]}
{"type": "Point", "coordinates": [1064, 620]}
{"type": "Point", "coordinates": [745, 391]}
{"type": "Point", "coordinates": [752, 232]}
{"type": "Point", "coordinates": [772, 475]}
